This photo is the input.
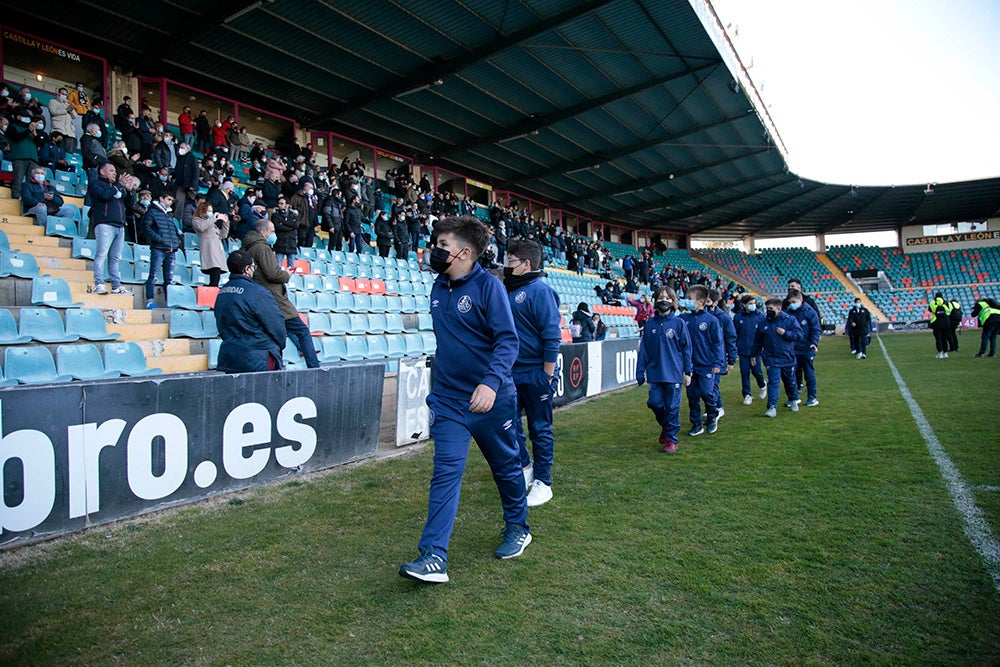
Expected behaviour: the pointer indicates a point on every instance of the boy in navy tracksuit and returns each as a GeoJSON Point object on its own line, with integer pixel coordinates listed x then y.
{"type": "Point", "coordinates": [473, 394]}
{"type": "Point", "coordinates": [717, 307]}
{"type": "Point", "coordinates": [665, 360]}
{"type": "Point", "coordinates": [746, 322]}
{"type": "Point", "coordinates": [775, 341]}
{"type": "Point", "coordinates": [707, 358]}
{"type": "Point", "coordinates": [535, 307]}
{"type": "Point", "coordinates": [807, 346]}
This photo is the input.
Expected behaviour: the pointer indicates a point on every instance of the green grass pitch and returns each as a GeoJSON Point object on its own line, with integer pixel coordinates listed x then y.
{"type": "Point", "coordinates": [823, 537]}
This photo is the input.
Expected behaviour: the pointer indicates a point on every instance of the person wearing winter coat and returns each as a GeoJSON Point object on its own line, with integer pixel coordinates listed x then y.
{"type": "Point", "coordinates": [987, 312]}
{"type": "Point", "coordinates": [164, 242]}
{"type": "Point", "coordinates": [582, 324]}
{"type": "Point", "coordinates": [775, 342]}
{"type": "Point", "coordinates": [211, 228]}
{"type": "Point", "coordinates": [746, 322]}
{"type": "Point", "coordinates": [63, 114]}
{"type": "Point", "coordinates": [249, 320]}
{"type": "Point", "coordinates": [383, 234]}
{"type": "Point", "coordinates": [286, 228]}
{"type": "Point", "coordinates": [859, 322]}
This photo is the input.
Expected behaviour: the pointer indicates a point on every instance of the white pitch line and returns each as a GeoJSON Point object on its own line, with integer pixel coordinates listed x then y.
{"type": "Point", "coordinates": [985, 487]}
{"type": "Point", "coordinates": [973, 522]}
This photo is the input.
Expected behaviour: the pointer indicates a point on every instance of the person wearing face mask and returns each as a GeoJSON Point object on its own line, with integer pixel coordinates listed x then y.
{"type": "Point", "coordinates": [535, 307]}
{"type": "Point", "coordinates": [95, 115]}
{"type": "Point", "coordinates": [161, 184]}
{"type": "Point", "coordinates": [352, 226]}
{"type": "Point", "coordinates": [250, 323]}
{"type": "Point", "coordinates": [473, 396]}
{"type": "Point", "coordinates": [23, 151]}
{"type": "Point", "coordinates": [775, 343]}
{"type": "Point", "coordinates": [63, 114]}
{"type": "Point", "coordinates": [185, 176]}
{"type": "Point", "coordinates": [211, 229]}
{"type": "Point", "coordinates": [708, 359]}
{"type": "Point", "coordinates": [401, 235]}
{"type": "Point", "coordinates": [40, 199]}
{"type": "Point", "coordinates": [717, 306]}
{"type": "Point", "coordinates": [218, 138]}
{"type": "Point", "coordinates": [164, 154]}
{"type": "Point", "coordinates": [306, 205]}
{"type": "Point", "coordinates": [286, 226]}
{"type": "Point", "coordinates": [247, 208]}
{"type": "Point", "coordinates": [383, 234]}
{"type": "Point", "coordinates": [665, 361]}
{"type": "Point", "coordinates": [807, 346]}
{"type": "Point", "coordinates": [79, 99]}
{"type": "Point", "coordinates": [859, 322]}
{"type": "Point", "coordinates": [746, 323]}
{"type": "Point", "coordinates": [164, 241]}
{"type": "Point", "coordinates": [259, 242]}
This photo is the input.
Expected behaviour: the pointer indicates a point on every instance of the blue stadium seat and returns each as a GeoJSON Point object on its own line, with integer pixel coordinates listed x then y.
{"type": "Point", "coordinates": [304, 301]}
{"type": "Point", "coordinates": [430, 342]}
{"type": "Point", "coordinates": [393, 304]}
{"type": "Point", "coordinates": [330, 284]}
{"type": "Point", "coordinates": [414, 345]}
{"type": "Point", "coordinates": [407, 304]}
{"type": "Point", "coordinates": [322, 255]}
{"type": "Point", "coordinates": [89, 324]}
{"type": "Point", "coordinates": [340, 323]}
{"type": "Point", "coordinates": [393, 323]}
{"type": "Point", "coordinates": [312, 283]}
{"type": "Point", "coordinates": [356, 348]}
{"type": "Point", "coordinates": [349, 258]}
{"type": "Point", "coordinates": [357, 324]}
{"type": "Point", "coordinates": [191, 241]}
{"type": "Point", "coordinates": [31, 365]}
{"type": "Point", "coordinates": [377, 323]}
{"type": "Point", "coordinates": [325, 302]}
{"type": "Point", "coordinates": [365, 259]}
{"type": "Point", "coordinates": [403, 288]}
{"type": "Point", "coordinates": [379, 303]}
{"type": "Point", "coordinates": [45, 325]}
{"type": "Point", "coordinates": [128, 359]}
{"type": "Point", "coordinates": [181, 275]}
{"type": "Point", "coordinates": [136, 273]}
{"type": "Point", "coordinates": [377, 348]}
{"type": "Point", "coordinates": [318, 323]}
{"type": "Point", "coordinates": [337, 256]}
{"type": "Point", "coordinates": [84, 249]}
{"type": "Point", "coordinates": [425, 322]}
{"type": "Point", "coordinates": [182, 296]}
{"type": "Point", "coordinates": [4, 241]}
{"type": "Point", "coordinates": [423, 303]}
{"type": "Point", "coordinates": [20, 264]}
{"type": "Point", "coordinates": [213, 353]}
{"type": "Point", "coordinates": [53, 292]}
{"type": "Point", "coordinates": [333, 349]}
{"type": "Point", "coordinates": [194, 261]}
{"type": "Point", "coordinates": [362, 303]}
{"type": "Point", "coordinates": [363, 271]}
{"type": "Point", "coordinates": [186, 324]}
{"type": "Point", "coordinates": [307, 254]}
{"type": "Point", "coordinates": [82, 362]}
{"type": "Point", "coordinates": [209, 325]}
{"type": "Point", "coordinates": [378, 260]}
{"type": "Point", "coordinates": [8, 330]}
{"type": "Point", "coordinates": [395, 347]}
{"type": "Point", "coordinates": [62, 227]}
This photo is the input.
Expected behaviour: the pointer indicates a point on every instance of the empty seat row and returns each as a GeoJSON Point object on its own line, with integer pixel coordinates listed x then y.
{"type": "Point", "coordinates": [44, 325]}
{"type": "Point", "coordinates": [360, 347]}
{"type": "Point", "coordinates": [35, 365]}
{"type": "Point", "coordinates": [356, 323]}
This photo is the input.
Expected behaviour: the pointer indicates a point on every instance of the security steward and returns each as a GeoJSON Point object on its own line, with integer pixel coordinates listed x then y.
{"type": "Point", "coordinates": [249, 321]}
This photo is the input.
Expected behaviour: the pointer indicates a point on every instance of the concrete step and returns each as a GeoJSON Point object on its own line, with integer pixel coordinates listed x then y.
{"type": "Point", "coordinates": [104, 301]}
{"type": "Point", "coordinates": [32, 244]}
{"type": "Point", "coordinates": [53, 252]}
{"type": "Point", "coordinates": [20, 225]}
{"type": "Point", "coordinates": [178, 363]}
{"type": "Point", "coordinates": [139, 332]}
{"type": "Point", "coordinates": [9, 206]}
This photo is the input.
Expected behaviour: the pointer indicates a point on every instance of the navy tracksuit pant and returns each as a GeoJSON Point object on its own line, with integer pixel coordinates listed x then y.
{"type": "Point", "coordinates": [534, 397]}
{"type": "Point", "coordinates": [452, 427]}
{"type": "Point", "coordinates": [702, 388]}
{"type": "Point", "coordinates": [665, 402]}
{"type": "Point", "coordinates": [775, 376]}
{"type": "Point", "coordinates": [746, 370]}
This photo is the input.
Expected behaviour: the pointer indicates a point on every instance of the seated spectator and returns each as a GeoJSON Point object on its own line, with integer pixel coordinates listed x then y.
{"type": "Point", "coordinates": [211, 228]}
{"type": "Point", "coordinates": [600, 330]}
{"type": "Point", "coordinates": [40, 199]}
{"type": "Point", "coordinates": [92, 148]}
{"type": "Point", "coordinates": [52, 153]}
{"type": "Point", "coordinates": [63, 114]}
{"type": "Point", "coordinates": [250, 324]}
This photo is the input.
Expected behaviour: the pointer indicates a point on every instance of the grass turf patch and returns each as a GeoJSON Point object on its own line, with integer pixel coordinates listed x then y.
{"type": "Point", "coordinates": [820, 537]}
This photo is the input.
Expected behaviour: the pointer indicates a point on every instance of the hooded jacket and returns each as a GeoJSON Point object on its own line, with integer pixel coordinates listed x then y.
{"type": "Point", "coordinates": [269, 273]}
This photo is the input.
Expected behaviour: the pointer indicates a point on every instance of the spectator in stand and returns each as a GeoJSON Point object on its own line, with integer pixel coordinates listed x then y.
{"type": "Point", "coordinates": [163, 153]}
{"type": "Point", "coordinates": [63, 115]}
{"type": "Point", "coordinates": [249, 211]}
{"type": "Point", "coordinates": [665, 360]}
{"type": "Point", "coordinates": [96, 116]}
{"type": "Point", "coordinates": [40, 199]}
{"type": "Point", "coordinates": [164, 242]}
{"type": "Point", "coordinates": [244, 145]}
{"type": "Point", "coordinates": [306, 205]}
{"type": "Point", "coordinates": [600, 329]}
{"type": "Point", "coordinates": [286, 226]}
{"type": "Point", "coordinates": [219, 138]}
{"type": "Point", "coordinates": [161, 183]}
{"type": "Point", "coordinates": [987, 312]}
{"type": "Point", "coordinates": [250, 323]}
{"type": "Point", "coordinates": [185, 123]}
{"type": "Point", "coordinates": [333, 220]}
{"type": "Point", "coordinates": [233, 140]}
{"type": "Point", "coordinates": [52, 153]}
{"type": "Point", "coordinates": [107, 210]}
{"type": "Point", "coordinates": [747, 321]}
{"type": "Point", "coordinates": [500, 238]}
{"type": "Point", "coordinates": [147, 128]}
{"type": "Point", "coordinates": [401, 235]}
{"type": "Point", "coordinates": [383, 234]}
{"type": "Point", "coordinates": [628, 266]}
{"type": "Point", "coordinates": [132, 137]}
{"type": "Point", "coordinates": [211, 229]}
{"type": "Point", "coordinates": [352, 220]}
{"type": "Point", "coordinates": [775, 343]}
{"type": "Point", "coordinates": [23, 151]}
{"type": "Point", "coordinates": [185, 175]}
{"type": "Point", "coordinates": [122, 114]}
{"type": "Point", "coordinates": [203, 133]}
{"type": "Point", "coordinates": [582, 325]}
{"type": "Point", "coordinates": [80, 101]}
{"type": "Point", "coordinates": [413, 227]}
{"type": "Point", "coordinates": [223, 199]}
{"type": "Point", "coordinates": [271, 275]}
{"type": "Point", "coordinates": [643, 310]}
{"type": "Point", "coordinates": [859, 323]}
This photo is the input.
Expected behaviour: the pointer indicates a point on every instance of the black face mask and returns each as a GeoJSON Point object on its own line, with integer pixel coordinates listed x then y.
{"type": "Point", "coordinates": [439, 259]}
{"type": "Point", "coordinates": [664, 307]}
{"type": "Point", "coordinates": [771, 315]}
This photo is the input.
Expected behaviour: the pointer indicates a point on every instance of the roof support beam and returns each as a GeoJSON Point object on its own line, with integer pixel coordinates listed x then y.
{"type": "Point", "coordinates": [856, 212]}
{"type": "Point", "coordinates": [532, 124]}
{"type": "Point", "coordinates": [761, 209]}
{"type": "Point", "coordinates": [624, 151]}
{"type": "Point", "coordinates": [432, 72]}
{"type": "Point", "coordinates": [840, 192]}
{"type": "Point", "coordinates": [726, 202]}
{"type": "Point", "coordinates": [690, 197]}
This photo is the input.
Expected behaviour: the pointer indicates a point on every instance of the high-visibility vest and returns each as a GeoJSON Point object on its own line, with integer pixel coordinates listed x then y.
{"type": "Point", "coordinates": [985, 311]}
{"type": "Point", "coordinates": [939, 303]}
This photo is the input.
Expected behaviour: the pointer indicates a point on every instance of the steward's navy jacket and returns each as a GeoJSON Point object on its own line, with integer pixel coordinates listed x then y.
{"type": "Point", "coordinates": [728, 335]}
{"type": "Point", "coordinates": [250, 325]}
{"type": "Point", "coordinates": [808, 319]}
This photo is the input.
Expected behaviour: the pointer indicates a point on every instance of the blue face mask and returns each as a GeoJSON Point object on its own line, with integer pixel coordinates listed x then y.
{"type": "Point", "coordinates": [272, 238]}
{"type": "Point", "coordinates": [793, 305]}
{"type": "Point", "coordinates": [751, 307]}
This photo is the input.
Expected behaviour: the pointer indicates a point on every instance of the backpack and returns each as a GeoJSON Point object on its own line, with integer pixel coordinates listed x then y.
{"type": "Point", "coordinates": [576, 329]}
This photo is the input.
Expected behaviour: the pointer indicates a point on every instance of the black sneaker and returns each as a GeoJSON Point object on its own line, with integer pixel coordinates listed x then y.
{"type": "Point", "coordinates": [428, 567]}
{"type": "Point", "coordinates": [515, 540]}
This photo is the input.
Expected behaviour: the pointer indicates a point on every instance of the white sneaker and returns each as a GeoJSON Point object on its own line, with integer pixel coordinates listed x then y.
{"type": "Point", "coordinates": [539, 494]}
{"type": "Point", "coordinates": [529, 476]}
{"type": "Point", "coordinates": [722, 413]}
{"type": "Point", "coordinates": [945, 356]}
{"type": "Point", "coordinates": [100, 289]}
{"type": "Point", "coordinates": [771, 412]}
{"type": "Point", "coordinates": [763, 393]}
{"type": "Point", "coordinates": [748, 399]}
{"type": "Point", "coordinates": [939, 355]}
{"type": "Point", "coordinates": [794, 406]}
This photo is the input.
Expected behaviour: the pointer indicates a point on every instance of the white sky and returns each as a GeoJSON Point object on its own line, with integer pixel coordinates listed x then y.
{"type": "Point", "coordinates": [877, 92]}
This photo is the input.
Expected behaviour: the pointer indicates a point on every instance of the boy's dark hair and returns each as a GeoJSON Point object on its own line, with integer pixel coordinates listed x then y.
{"type": "Point", "coordinates": [747, 298]}
{"type": "Point", "coordinates": [794, 294]}
{"type": "Point", "coordinates": [697, 292]}
{"type": "Point", "coordinates": [238, 261]}
{"type": "Point", "coordinates": [526, 249]}
{"type": "Point", "coordinates": [466, 229]}
{"type": "Point", "coordinates": [773, 301]}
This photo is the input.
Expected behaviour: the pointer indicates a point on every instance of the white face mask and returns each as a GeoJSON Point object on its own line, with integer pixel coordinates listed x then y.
{"type": "Point", "coordinates": [40, 125]}
{"type": "Point", "coordinates": [97, 134]}
{"type": "Point", "coordinates": [24, 120]}
{"type": "Point", "coordinates": [62, 98]}
{"type": "Point", "coordinates": [39, 178]}
{"type": "Point", "coordinates": [182, 151]}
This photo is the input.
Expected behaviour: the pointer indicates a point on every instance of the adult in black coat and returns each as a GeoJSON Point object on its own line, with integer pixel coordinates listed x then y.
{"type": "Point", "coordinates": [186, 174]}
{"type": "Point", "coordinates": [383, 234]}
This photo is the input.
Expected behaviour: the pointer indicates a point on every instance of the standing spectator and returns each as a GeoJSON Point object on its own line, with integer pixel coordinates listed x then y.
{"type": "Point", "coordinates": [582, 325]}
{"type": "Point", "coordinates": [286, 226]}
{"type": "Point", "coordinates": [95, 115]}
{"type": "Point", "coordinates": [92, 149]}
{"type": "Point", "coordinates": [352, 220]}
{"type": "Point", "coordinates": [258, 242]}
{"type": "Point", "coordinates": [987, 311]}
{"type": "Point", "coordinates": [23, 150]}
{"type": "Point", "coordinates": [401, 235]}
{"type": "Point", "coordinates": [163, 153]}
{"type": "Point", "coordinates": [219, 138]}
{"type": "Point", "coordinates": [122, 114]}
{"type": "Point", "coordinates": [164, 241]}
{"type": "Point", "coordinates": [107, 210]}
{"type": "Point", "coordinates": [665, 361]}
{"type": "Point", "coordinates": [186, 125]}
{"type": "Point", "coordinates": [81, 104]}
{"type": "Point", "coordinates": [383, 234]}
{"type": "Point", "coordinates": [249, 321]}
{"type": "Point", "coordinates": [500, 238]}
{"type": "Point", "coordinates": [746, 322]}
{"type": "Point", "coordinates": [472, 397]}
{"type": "Point", "coordinates": [249, 212]}
{"type": "Point", "coordinates": [775, 342]}
{"type": "Point", "coordinates": [643, 310]}
{"type": "Point", "coordinates": [716, 305]}
{"type": "Point", "coordinates": [600, 329]}
{"type": "Point", "coordinates": [146, 131]}
{"type": "Point", "coordinates": [807, 346]}
{"type": "Point", "coordinates": [859, 320]}
{"type": "Point", "coordinates": [233, 141]}
{"type": "Point", "coordinates": [40, 199]}
{"type": "Point", "coordinates": [413, 227]}
{"type": "Point", "coordinates": [211, 229]}
{"type": "Point", "coordinates": [133, 138]}
{"type": "Point", "coordinates": [535, 307]}
{"type": "Point", "coordinates": [707, 358]}
{"type": "Point", "coordinates": [185, 175]}
{"type": "Point", "coordinates": [63, 115]}
{"type": "Point", "coordinates": [222, 199]}
{"type": "Point", "coordinates": [628, 265]}
{"type": "Point", "coordinates": [305, 204]}
{"type": "Point", "coordinates": [244, 145]}
{"type": "Point", "coordinates": [203, 130]}
{"type": "Point", "coordinates": [333, 221]}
